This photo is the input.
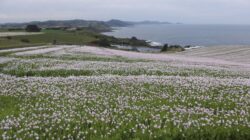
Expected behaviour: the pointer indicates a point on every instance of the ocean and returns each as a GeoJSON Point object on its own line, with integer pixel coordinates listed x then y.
{"type": "Point", "coordinates": [184, 34]}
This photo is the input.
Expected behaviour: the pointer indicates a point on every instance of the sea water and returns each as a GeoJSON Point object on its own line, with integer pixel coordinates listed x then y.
{"type": "Point", "coordinates": [184, 34]}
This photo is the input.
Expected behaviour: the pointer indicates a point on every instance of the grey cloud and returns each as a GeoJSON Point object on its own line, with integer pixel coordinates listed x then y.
{"type": "Point", "coordinates": [187, 11]}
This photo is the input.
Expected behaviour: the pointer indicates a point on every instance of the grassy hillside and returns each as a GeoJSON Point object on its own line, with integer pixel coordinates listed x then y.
{"type": "Point", "coordinates": [81, 36]}
{"type": "Point", "coordinates": [61, 37]}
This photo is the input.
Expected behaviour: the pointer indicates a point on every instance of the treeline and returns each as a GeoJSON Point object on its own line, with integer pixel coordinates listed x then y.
{"type": "Point", "coordinates": [168, 47]}
{"type": "Point", "coordinates": [107, 41]}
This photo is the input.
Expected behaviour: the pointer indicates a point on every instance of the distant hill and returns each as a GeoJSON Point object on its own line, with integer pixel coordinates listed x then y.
{"type": "Point", "coordinates": [70, 23]}
{"type": "Point", "coordinates": [79, 23]}
{"type": "Point", "coordinates": [118, 23]}
{"type": "Point", "coordinates": [151, 22]}
{"type": "Point", "coordinates": [57, 23]}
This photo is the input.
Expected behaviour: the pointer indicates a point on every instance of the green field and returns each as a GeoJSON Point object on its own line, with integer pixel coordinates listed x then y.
{"type": "Point", "coordinates": [61, 37]}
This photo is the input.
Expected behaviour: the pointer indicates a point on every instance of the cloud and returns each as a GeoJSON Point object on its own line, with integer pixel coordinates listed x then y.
{"type": "Point", "coordinates": [187, 11]}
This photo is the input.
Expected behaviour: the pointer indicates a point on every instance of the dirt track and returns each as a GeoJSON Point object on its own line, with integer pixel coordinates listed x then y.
{"type": "Point", "coordinates": [4, 34]}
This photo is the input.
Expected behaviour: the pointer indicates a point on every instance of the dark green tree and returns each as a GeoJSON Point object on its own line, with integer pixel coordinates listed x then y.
{"type": "Point", "coordinates": [165, 48]}
{"type": "Point", "coordinates": [32, 28]}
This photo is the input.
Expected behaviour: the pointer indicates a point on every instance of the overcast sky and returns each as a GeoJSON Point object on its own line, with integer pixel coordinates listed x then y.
{"type": "Point", "coordinates": [185, 11]}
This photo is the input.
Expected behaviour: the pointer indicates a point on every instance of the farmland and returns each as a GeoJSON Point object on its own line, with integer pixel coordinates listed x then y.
{"type": "Point", "coordinates": [84, 92]}
{"type": "Point", "coordinates": [24, 39]}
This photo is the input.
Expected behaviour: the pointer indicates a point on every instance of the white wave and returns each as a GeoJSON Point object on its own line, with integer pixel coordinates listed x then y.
{"type": "Point", "coordinates": [194, 47]}
{"type": "Point", "coordinates": [153, 43]}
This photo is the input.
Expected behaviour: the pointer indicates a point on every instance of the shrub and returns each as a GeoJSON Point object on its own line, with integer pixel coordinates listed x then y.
{"type": "Point", "coordinates": [134, 38]}
{"type": "Point", "coordinates": [165, 48]}
{"type": "Point", "coordinates": [9, 37]}
{"type": "Point", "coordinates": [175, 46]}
{"type": "Point", "coordinates": [32, 28]}
{"type": "Point", "coordinates": [54, 42]}
{"type": "Point", "coordinates": [25, 40]}
{"type": "Point", "coordinates": [172, 48]}
{"type": "Point", "coordinates": [137, 42]}
{"type": "Point", "coordinates": [102, 42]}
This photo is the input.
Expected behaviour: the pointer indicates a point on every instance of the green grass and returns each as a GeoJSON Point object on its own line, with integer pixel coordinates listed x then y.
{"type": "Point", "coordinates": [5, 53]}
{"type": "Point", "coordinates": [22, 71]}
{"type": "Point", "coordinates": [33, 69]}
{"type": "Point", "coordinates": [62, 37]}
{"type": "Point", "coordinates": [12, 30]}
{"type": "Point", "coordinates": [66, 73]}
{"type": "Point", "coordinates": [8, 106]}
